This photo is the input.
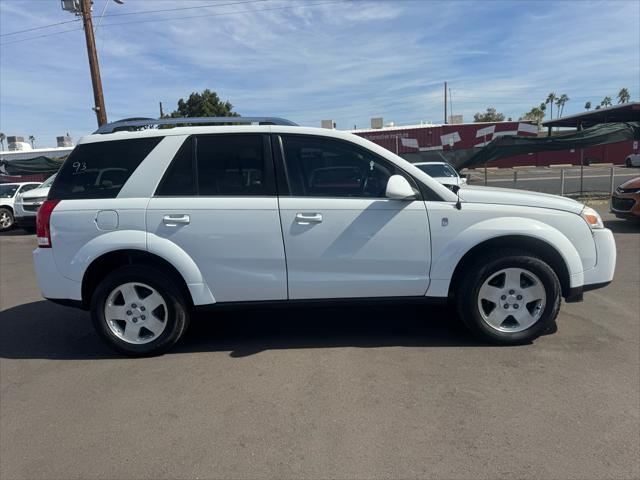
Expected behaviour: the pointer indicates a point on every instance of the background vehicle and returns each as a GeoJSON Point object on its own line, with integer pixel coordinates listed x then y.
{"type": "Point", "coordinates": [207, 216]}
{"type": "Point", "coordinates": [442, 172]}
{"type": "Point", "coordinates": [625, 201]}
{"type": "Point", "coordinates": [632, 160]}
{"type": "Point", "coordinates": [8, 193]}
{"type": "Point", "coordinates": [27, 204]}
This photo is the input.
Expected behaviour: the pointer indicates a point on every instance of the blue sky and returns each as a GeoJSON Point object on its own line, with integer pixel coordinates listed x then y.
{"type": "Point", "coordinates": [313, 60]}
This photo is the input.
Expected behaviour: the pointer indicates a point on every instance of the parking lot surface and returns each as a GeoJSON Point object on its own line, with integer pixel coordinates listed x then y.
{"type": "Point", "coordinates": [393, 392]}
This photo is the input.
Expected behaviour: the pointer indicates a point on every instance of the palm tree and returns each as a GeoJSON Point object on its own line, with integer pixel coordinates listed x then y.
{"type": "Point", "coordinates": [606, 102]}
{"type": "Point", "coordinates": [587, 106]}
{"type": "Point", "coordinates": [560, 103]}
{"type": "Point", "coordinates": [550, 99]}
{"type": "Point", "coordinates": [2, 137]}
{"type": "Point", "coordinates": [543, 108]}
{"type": "Point", "coordinates": [623, 96]}
{"type": "Point", "coordinates": [32, 139]}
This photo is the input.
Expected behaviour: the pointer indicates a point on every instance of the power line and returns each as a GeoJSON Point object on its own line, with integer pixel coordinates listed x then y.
{"type": "Point", "coordinates": [39, 28]}
{"type": "Point", "coordinates": [40, 36]}
{"type": "Point", "coordinates": [282, 7]}
{"type": "Point", "coordinates": [183, 8]}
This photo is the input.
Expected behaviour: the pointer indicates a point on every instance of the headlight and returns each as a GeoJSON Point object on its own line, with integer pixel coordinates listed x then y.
{"type": "Point", "coordinates": [592, 217]}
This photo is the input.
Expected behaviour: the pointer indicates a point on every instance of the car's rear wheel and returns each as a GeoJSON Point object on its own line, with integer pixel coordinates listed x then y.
{"type": "Point", "coordinates": [628, 162]}
{"type": "Point", "coordinates": [6, 219]}
{"type": "Point", "coordinates": [509, 297]}
{"type": "Point", "coordinates": [139, 311]}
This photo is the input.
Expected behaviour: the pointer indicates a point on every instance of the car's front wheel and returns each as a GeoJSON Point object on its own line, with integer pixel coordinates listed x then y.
{"type": "Point", "coordinates": [139, 311]}
{"type": "Point", "coordinates": [6, 219]}
{"type": "Point", "coordinates": [509, 297]}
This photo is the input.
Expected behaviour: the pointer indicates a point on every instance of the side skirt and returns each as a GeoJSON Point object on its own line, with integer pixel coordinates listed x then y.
{"type": "Point", "coordinates": [324, 302]}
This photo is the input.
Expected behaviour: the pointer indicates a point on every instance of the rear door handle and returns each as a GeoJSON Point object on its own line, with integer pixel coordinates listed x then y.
{"type": "Point", "coordinates": [175, 220]}
{"type": "Point", "coordinates": [308, 218]}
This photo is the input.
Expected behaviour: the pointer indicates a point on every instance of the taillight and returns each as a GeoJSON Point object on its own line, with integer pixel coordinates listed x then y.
{"type": "Point", "coordinates": [43, 220]}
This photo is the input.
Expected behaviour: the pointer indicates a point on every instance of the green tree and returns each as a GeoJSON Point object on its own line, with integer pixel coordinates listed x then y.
{"type": "Point", "coordinates": [587, 106]}
{"type": "Point", "coordinates": [551, 98]}
{"type": "Point", "coordinates": [205, 104]}
{"type": "Point", "coordinates": [2, 138]}
{"type": "Point", "coordinates": [536, 114]}
{"type": "Point", "coordinates": [491, 115]}
{"type": "Point", "coordinates": [624, 96]}
{"type": "Point", "coordinates": [564, 98]}
{"type": "Point", "coordinates": [606, 102]}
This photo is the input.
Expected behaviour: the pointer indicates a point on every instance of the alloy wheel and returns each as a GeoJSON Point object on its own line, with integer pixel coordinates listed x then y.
{"type": "Point", "coordinates": [511, 300]}
{"type": "Point", "coordinates": [136, 313]}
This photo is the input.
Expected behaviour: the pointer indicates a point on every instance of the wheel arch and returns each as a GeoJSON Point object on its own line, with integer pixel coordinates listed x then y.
{"type": "Point", "coordinates": [112, 260]}
{"type": "Point", "coordinates": [540, 248]}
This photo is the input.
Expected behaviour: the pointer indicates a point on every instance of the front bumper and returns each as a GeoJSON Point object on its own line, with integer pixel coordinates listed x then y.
{"type": "Point", "coordinates": [625, 205]}
{"type": "Point", "coordinates": [601, 274]}
{"type": "Point", "coordinates": [52, 284]}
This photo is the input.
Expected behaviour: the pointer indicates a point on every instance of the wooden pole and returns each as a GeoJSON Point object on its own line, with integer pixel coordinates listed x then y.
{"type": "Point", "coordinates": [98, 98]}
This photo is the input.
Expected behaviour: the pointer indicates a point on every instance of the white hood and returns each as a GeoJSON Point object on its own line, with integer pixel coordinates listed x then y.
{"type": "Point", "coordinates": [507, 196]}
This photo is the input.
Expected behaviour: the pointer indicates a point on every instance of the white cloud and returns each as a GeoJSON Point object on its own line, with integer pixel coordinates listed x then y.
{"type": "Point", "coordinates": [346, 60]}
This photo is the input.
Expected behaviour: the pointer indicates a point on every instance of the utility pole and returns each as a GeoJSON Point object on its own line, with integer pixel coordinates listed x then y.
{"type": "Point", "coordinates": [445, 102]}
{"type": "Point", "coordinates": [83, 8]}
{"type": "Point", "coordinates": [98, 98]}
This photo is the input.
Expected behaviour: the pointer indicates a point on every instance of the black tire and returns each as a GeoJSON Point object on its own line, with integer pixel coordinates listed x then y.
{"type": "Point", "coordinates": [7, 214]}
{"type": "Point", "coordinates": [177, 315]}
{"type": "Point", "coordinates": [628, 162]}
{"type": "Point", "coordinates": [466, 296]}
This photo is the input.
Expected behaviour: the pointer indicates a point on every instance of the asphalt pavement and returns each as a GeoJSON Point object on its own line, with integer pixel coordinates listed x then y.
{"type": "Point", "coordinates": [394, 392]}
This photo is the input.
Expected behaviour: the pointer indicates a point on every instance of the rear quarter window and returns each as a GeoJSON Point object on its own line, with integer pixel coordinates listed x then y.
{"type": "Point", "coordinates": [100, 170]}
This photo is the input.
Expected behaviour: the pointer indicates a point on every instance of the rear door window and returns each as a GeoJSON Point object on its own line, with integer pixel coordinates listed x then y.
{"type": "Point", "coordinates": [232, 165]}
{"type": "Point", "coordinates": [221, 165]}
{"type": "Point", "coordinates": [99, 170]}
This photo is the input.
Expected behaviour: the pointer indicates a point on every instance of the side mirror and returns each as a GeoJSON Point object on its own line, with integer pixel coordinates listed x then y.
{"type": "Point", "coordinates": [398, 188]}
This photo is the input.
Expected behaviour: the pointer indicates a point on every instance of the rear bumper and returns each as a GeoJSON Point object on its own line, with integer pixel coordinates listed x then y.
{"type": "Point", "coordinates": [52, 284]}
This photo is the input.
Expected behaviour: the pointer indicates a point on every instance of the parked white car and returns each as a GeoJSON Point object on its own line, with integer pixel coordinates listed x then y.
{"type": "Point", "coordinates": [210, 216]}
{"type": "Point", "coordinates": [27, 204]}
{"type": "Point", "coordinates": [443, 173]}
{"type": "Point", "coordinates": [8, 194]}
{"type": "Point", "coordinates": [632, 160]}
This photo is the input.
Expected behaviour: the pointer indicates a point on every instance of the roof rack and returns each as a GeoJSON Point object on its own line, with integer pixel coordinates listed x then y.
{"type": "Point", "coordinates": [130, 123]}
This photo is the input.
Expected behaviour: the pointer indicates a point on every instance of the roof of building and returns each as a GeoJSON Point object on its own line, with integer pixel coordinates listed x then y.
{"type": "Point", "coordinates": [429, 125]}
{"type": "Point", "coordinates": [626, 112]}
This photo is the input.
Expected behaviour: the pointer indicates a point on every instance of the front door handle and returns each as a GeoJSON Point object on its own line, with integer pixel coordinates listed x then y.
{"type": "Point", "coordinates": [175, 220]}
{"type": "Point", "coordinates": [308, 218]}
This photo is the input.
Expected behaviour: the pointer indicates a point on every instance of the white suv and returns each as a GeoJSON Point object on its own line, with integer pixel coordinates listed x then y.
{"type": "Point", "coordinates": [197, 217]}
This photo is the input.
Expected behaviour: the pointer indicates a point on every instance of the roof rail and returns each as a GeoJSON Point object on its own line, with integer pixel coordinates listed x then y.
{"type": "Point", "coordinates": [130, 123]}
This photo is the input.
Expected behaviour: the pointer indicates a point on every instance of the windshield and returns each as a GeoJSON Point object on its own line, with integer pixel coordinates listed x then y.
{"type": "Point", "coordinates": [48, 182]}
{"type": "Point", "coordinates": [438, 170]}
{"type": "Point", "coordinates": [8, 190]}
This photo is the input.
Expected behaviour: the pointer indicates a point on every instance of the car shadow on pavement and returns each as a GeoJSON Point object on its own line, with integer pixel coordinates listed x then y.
{"type": "Point", "coordinates": [49, 331]}
{"type": "Point", "coordinates": [623, 225]}
{"type": "Point", "coordinates": [15, 232]}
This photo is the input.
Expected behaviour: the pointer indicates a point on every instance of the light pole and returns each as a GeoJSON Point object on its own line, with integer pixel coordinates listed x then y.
{"type": "Point", "coordinates": [83, 8]}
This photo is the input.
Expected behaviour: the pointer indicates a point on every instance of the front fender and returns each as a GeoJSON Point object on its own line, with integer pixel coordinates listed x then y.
{"type": "Point", "coordinates": [445, 264]}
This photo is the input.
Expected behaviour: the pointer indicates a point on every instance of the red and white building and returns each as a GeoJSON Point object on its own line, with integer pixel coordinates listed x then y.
{"type": "Point", "coordinates": [456, 142]}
